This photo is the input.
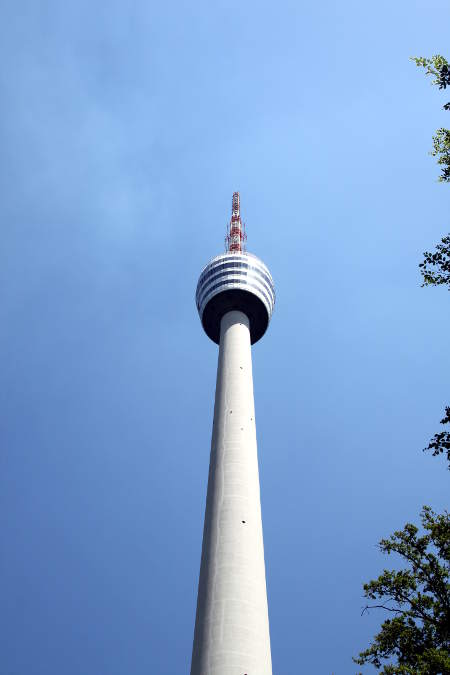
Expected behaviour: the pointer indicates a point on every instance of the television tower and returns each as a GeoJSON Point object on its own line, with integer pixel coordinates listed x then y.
{"type": "Point", "coordinates": [235, 299]}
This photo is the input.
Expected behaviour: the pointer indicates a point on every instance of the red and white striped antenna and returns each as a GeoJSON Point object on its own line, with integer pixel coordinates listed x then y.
{"type": "Point", "coordinates": [236, 236]}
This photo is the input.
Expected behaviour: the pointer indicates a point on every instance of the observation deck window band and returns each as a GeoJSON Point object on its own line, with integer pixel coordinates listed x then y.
{"type": "Point", "coordinates": [239, 274]}
{"type": "Point", "coordinates": [217, 274]}
{"type": "Point", "coordinates": [233, 266]}
{"type": "Point", "coordinates": [236, 259]}
{"type": "Point", "coordinates": [244, 270]}
{"type": "Point", "coordinates": [204, 290]}
{"type": "Point", "coordinates": [248, 258]}
{"type": "Point", "coordinates": [237, 264]}
{"type": "Point", "coordinates": [240, 278]}
{"type": "Point", "coordinates": [238, 286]}
{"type": "Point", "coordinates": [241, 282]}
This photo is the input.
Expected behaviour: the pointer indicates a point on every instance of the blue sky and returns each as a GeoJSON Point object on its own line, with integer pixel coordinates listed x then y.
{"type": "Point", "coordinates": [125, 128]}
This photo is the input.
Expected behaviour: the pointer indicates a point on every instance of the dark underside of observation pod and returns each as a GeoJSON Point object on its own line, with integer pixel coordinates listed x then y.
{"type": "Point", "coordinates": [235, 299]}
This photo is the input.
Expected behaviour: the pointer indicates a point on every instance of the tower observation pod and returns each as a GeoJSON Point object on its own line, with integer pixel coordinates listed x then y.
{"type": "Point", "coordinates": [235, 299]}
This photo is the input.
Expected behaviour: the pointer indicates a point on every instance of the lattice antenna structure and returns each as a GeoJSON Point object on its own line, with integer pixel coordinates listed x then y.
{"type": "Point", "coordinates": [236, 236]}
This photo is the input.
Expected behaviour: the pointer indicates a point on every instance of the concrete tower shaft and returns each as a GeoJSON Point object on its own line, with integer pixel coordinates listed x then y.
{"type": "Point", "coordinates": [232, 625]}
{"type": "Point", "coordinates": [235, 299]}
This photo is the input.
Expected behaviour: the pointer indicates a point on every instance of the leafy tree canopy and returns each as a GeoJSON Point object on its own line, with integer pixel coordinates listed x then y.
{"type": "Point", "coordinates": [441, 150]}
{"type": "Point", "coordinates": [439, 68]}
{"type": "Point", "coordinates": [440, 443]}
{"type": "Point", "coordinates": [435, 268]}
{"type": "Point", "coordinates": [416, 638]}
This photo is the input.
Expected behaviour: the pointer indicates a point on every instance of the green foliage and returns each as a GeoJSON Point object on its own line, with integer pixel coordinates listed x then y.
{"type": "Point", "coordinates": [416, 638]}
{"type": "Point", "coordinates": [440, 443]}
{"type": "Point", "coordinates": [435, 267]}
{"type": "Point", "coordinates": [441, 149]}
{"type": "Point", "coordinates": [439, 68]}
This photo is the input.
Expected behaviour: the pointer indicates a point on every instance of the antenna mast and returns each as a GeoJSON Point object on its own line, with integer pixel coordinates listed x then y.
{"type": "Point", "coordinates": [236, 236]}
